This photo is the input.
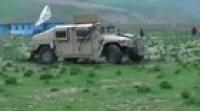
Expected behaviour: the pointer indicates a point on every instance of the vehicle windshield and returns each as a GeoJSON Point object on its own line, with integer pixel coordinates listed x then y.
{"type": "Point", "coordinates": [109, 30]}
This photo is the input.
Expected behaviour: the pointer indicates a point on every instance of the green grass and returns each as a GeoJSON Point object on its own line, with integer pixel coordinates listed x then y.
{"type": "Point", "coordinates": [103, 92]}
{"type": "Point", "coordinates": [95, 87]}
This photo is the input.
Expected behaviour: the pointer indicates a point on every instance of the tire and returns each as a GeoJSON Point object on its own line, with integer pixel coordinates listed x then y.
{"type": "Point", "coordinates": [46, 55]}
{"type": "Point", "coordinates": [114, 54]}
{"type": "Point", "coordinates": [134, 56]}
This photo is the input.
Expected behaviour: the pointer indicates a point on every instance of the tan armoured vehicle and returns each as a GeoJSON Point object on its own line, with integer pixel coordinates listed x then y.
{"type": "Point", "coordinates": [82, 41]}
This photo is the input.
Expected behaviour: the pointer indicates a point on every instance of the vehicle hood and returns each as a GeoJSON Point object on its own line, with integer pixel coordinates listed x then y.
{"type": "Point", "coordinates": [113, 37]}
{"type": "Point", "coordinates": [43, 38]}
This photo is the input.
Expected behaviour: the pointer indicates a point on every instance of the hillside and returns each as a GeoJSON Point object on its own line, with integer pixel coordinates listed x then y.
{"type": "Point", "coordinates": [124, 12]}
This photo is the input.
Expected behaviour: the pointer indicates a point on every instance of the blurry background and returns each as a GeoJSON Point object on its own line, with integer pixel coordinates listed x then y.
{"type": "Point", "coordinates": [117, 11]}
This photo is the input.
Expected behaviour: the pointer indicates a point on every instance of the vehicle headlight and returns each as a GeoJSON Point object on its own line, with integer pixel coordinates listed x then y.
{"type": "Point", "coordinates": [124, 42]}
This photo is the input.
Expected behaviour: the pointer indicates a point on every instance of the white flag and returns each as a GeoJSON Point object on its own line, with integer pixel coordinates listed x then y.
{"type": "Point", "coordinates": [44, 16]}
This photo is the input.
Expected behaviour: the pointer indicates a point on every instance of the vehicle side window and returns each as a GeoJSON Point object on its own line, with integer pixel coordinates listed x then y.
{"type": "Point", "coordinates": [61, 34]}
{"type": "Point", "coordinates": [83, 32]}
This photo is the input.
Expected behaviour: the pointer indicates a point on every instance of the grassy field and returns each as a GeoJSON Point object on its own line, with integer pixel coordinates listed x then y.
{"type": "Point", "coordinates": [84, 86]}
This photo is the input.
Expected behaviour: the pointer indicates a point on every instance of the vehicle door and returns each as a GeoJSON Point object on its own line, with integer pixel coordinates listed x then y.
{"type": "Point", "coordinates": [64, 43]}
{"type": "Point", "coordinates": [83, 41]}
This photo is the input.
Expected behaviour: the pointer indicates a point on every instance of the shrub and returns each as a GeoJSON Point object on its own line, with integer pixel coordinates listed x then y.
{"type": "Point", "coordinates": [185, 94]}
{"type": "Point", "coordinates": [177, 71]}
{"type": "Point", "coordinates": [54, 89]}
{"type": "Point", "coordinates": [97, 66]}
{"type": "Point", "coordinates": [2, 90]}
{"type": "Point", "coordinates": [196, 65]}
{"type": "Point", "coordinates": [44, 69]}
{"type": "Point", "coordinates": [23, 68]}
{"type": "Point", "coordinates": [28, 73]}
{"type": "Point", "coordinates": [63, 70]}
{"type": "Point", "coordinates": [69, 107]}
{"type": "Point", "coordinates": [165, 85]}
{"type": "Point", "coordinates": [185, 65]}
{"type": "Point", "coordinates": [91, 74]}
{"type": "Point", "coordinates": [46, 76]}
{"type": "Point", "coordinates": [46, 81]}
{"type": "Point", "coordinates": [86, 90]}
{"type": "Point", "coordinates": [67, 81]}
{"type": "Point", "coordinates": [178, 60]}
{"type": "Point", "coordinates": [90, 82]}
{"type": "Point", "coordinates": [156, 68]}
{"type": "Point", "coordinates": [141, 88]}
{"type": "Point", "coordinates": [190, 101]}
{"type": "Point", "coordinates": [161, 75]}
{"type": "Point", "coordinates": [11, 80]}
{"type": "Point", "coordinates": [118, 72]}
{"type": "Point", "coordinates": [8, 64]}
{"type": "Point", "coordinates": [1, 71]}
{"type": "Point", "coordinates": [16, 70]}
{"type": "Point", "coordinates": [74, 71]}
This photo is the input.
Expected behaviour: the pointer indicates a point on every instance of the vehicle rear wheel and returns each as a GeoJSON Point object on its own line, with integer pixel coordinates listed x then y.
{"type": "Point", "coordinates": [114, 54]}
{"type": "Point", "coordinates": [46, 55]}
{"type": "Point", "coordinates": [135, 56]}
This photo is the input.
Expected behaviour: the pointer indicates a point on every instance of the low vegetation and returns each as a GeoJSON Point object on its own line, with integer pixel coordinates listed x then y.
{"type": "Point", "coordinates": [165, 85]}
{"type": "Point", "coordinates": [11, 81]}
{"type": "Point", "coordinates": [73, 86]}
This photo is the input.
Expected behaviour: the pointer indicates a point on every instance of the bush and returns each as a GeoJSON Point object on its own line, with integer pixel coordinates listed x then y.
{"type": "Point", "coordinates": [86, 90]}
{"type": "Point", "coordinates": [90, 82]}
{"type": "Point", "coordinates": [11, 80]}
{"type": "Point", "coordinates": [46, 76]}
{"type": "Point", "coordinates": [185, 94]}
{"type": "Point", "coordinates": [74, 71]}
{"type": "Point", "coordinates": [2, 90]}
{"type": "Point", "coordinates": [4, 69]}
{"type": "Point", "coordinates": [23, 68]}
{"type": "Point", "coordinates": [44, 69]}
{"type": "Point", "coordinates": [91, 74]}
{"type": "Point", "coordinates": [69, 107]}
{"type": "Point", "coordinates": [165, 85]}
{"type": "Point", "coordinates": [141, 88]}
{"type": "Point", "coordinates": [196, 65]}
{"type": "Point", "coordinates": [97, 66]}
{"type": "Point", "coordinates": [118, 72]}
{"type": "Point", "coordinates": [1, 72]}
{"type": "Point", "coordinates": [54, 89]}
{"type": "Point", "coordinates": [177, 71]}
{"type": "Point", "coordinates": [156, 68]}
{"type": "Point", "coordinates": [190, 101]}
{"type": "Point", "coordinates": [16, 70]}
{"type": "Point", "coordinates": [8, 64]}
{"type": "Point", "coordinates": [28, 73]}
{"type": "Point", "coordinates": [161, 75]}
{"type": "Point", "coordinates": [63, 70]}
{"type": "Point", "coordinates": [185, 65]}
{"type": "Point", "coordinates": [178, 60]}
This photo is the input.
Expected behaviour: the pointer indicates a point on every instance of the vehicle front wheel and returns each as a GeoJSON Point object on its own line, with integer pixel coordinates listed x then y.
{"type": "Point", "coordinates": [46, 55]}
{"type": "Point", "coordinates": [114, 54]}
{"type": "Point", "coordinates": [135, 56]}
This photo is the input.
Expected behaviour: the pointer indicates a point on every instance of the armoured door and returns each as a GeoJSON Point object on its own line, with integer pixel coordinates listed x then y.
{"type": "Point", "coordinates": [64, 43]}
{"type": "Point", "coordinates": [83, 42]}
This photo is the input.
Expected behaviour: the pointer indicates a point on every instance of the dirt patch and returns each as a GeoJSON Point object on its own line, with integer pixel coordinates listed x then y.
{"type": "Point", "coordinates": [46, 94]}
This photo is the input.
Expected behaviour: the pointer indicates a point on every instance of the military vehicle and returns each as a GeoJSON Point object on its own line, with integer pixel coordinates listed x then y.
{"type": "Point", "coordinates": [84, 41]}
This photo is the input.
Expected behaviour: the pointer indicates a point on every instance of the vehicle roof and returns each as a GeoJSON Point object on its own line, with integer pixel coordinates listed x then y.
{"type": "Point", "coordinates": [73, 25]}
